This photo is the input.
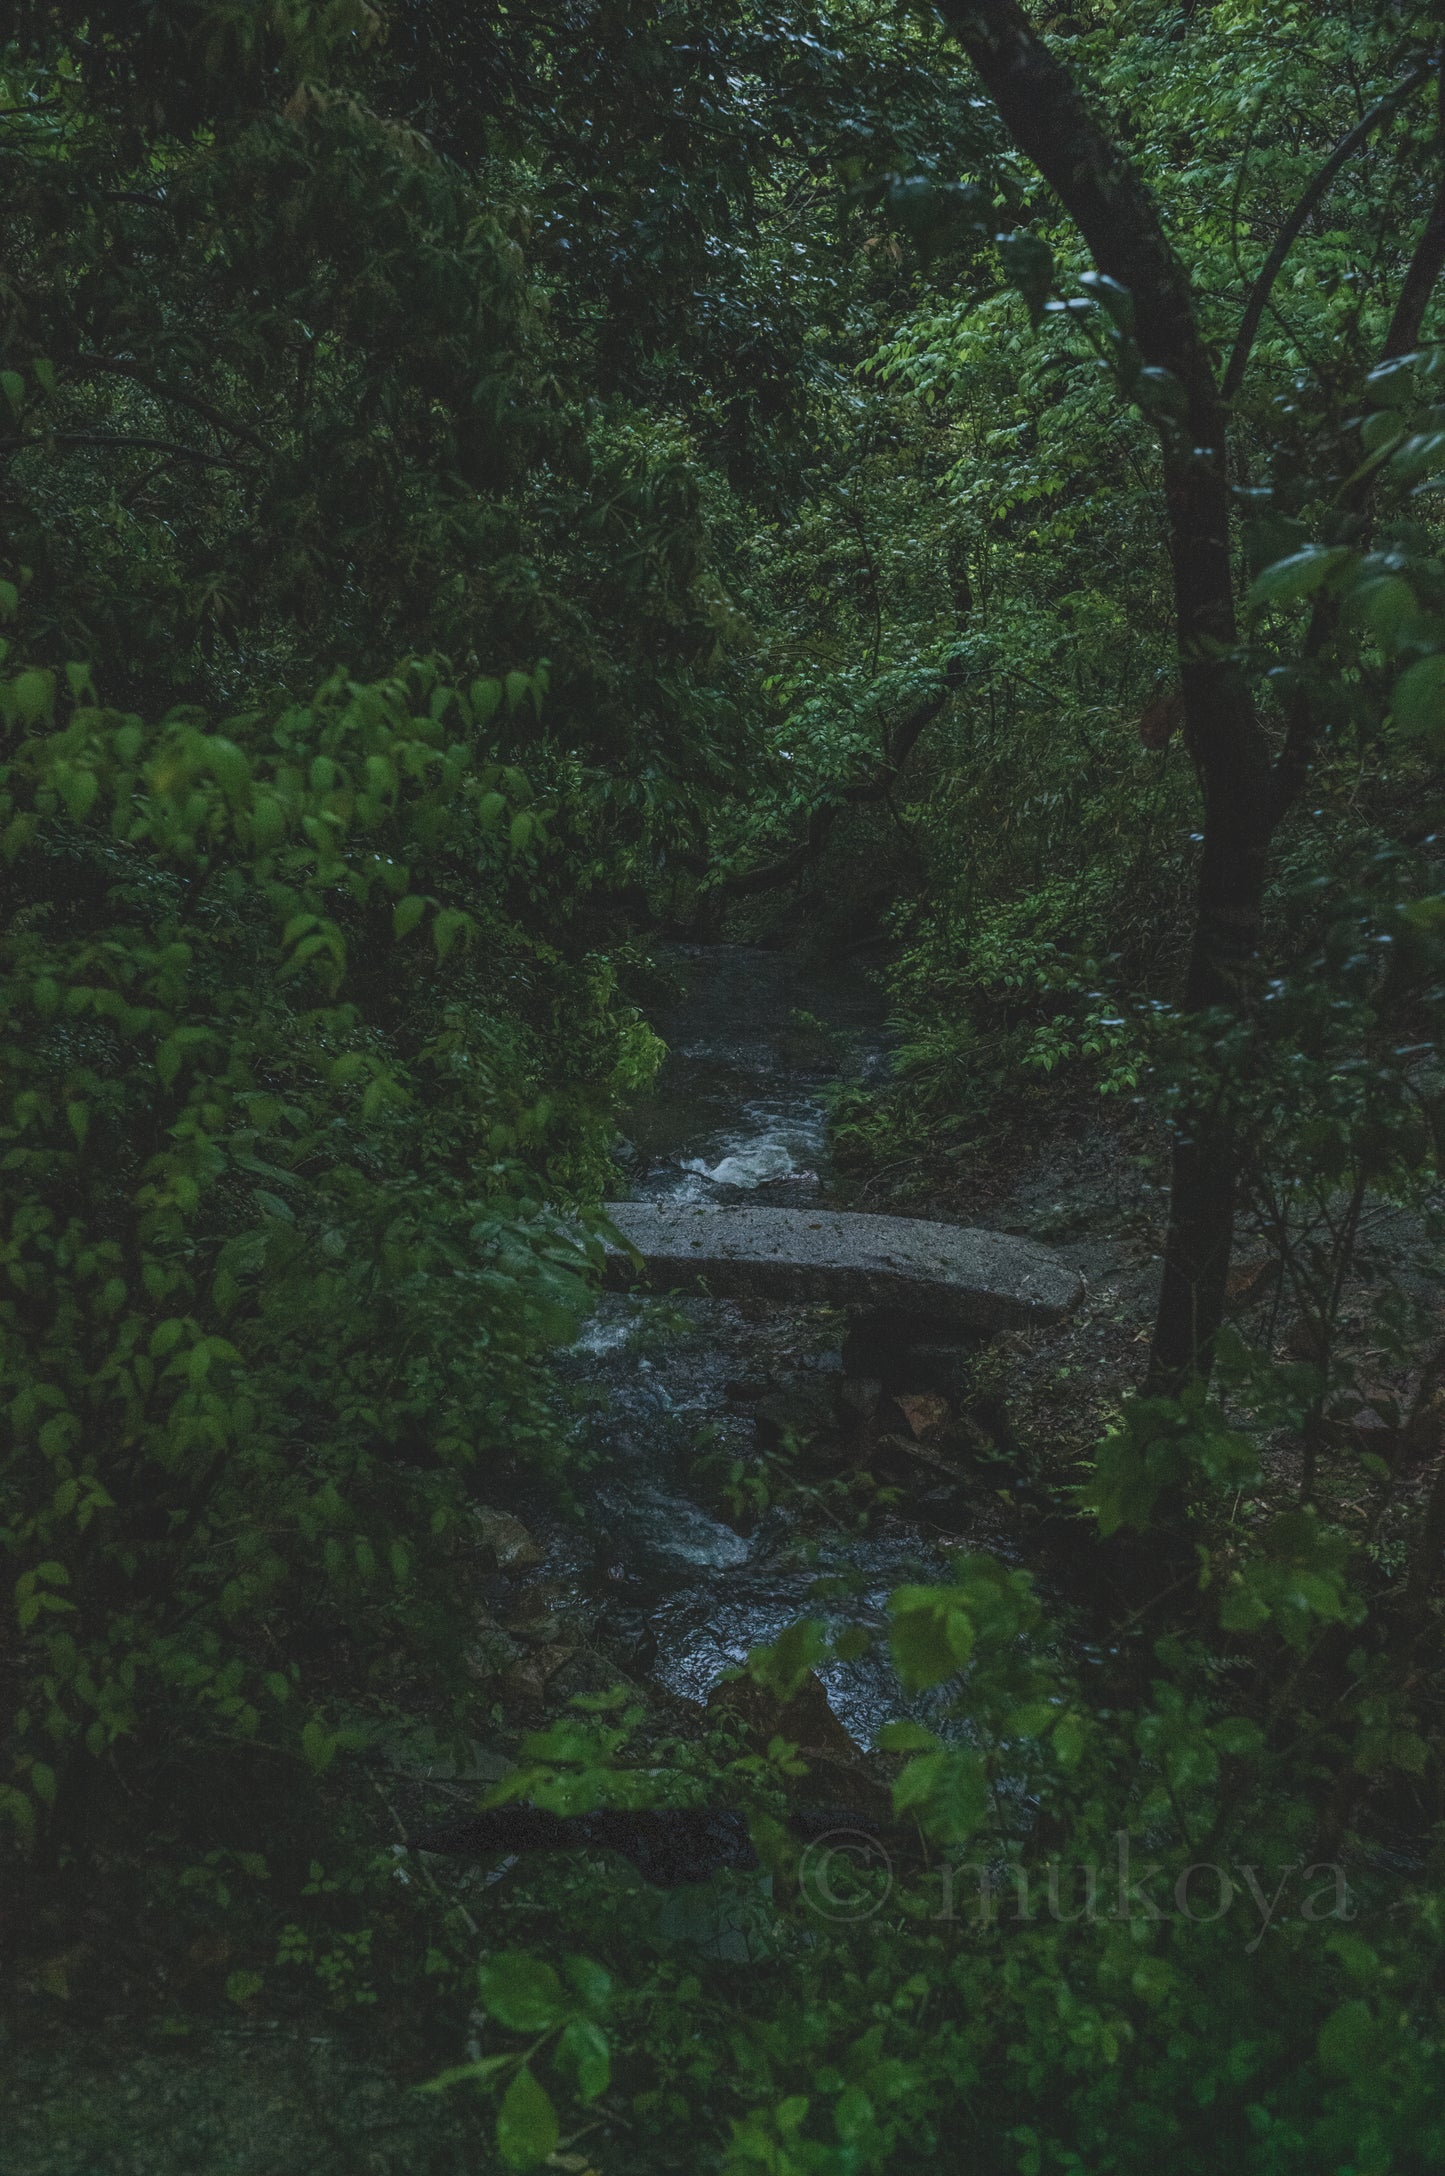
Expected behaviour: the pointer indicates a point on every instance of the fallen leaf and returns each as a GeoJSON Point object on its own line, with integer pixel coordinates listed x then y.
{"type": "Point", "coordinates": [924, 1411]}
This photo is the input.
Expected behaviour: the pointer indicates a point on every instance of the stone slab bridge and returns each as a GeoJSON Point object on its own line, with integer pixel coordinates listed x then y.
{"type": "Point", "coordinates": [900, 1277]}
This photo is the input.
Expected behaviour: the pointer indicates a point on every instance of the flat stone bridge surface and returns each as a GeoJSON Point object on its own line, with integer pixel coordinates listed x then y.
{"type": "Point", "coordinates": [944, 1274]}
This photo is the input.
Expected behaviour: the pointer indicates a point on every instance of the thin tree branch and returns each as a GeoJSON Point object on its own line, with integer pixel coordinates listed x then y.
{"type": "Point", "coordinates": [167, 446]}
{"type": "Point", "coordinates": [174, 395]}
{"type": "Point", "coordinates": [1289, 233]}
{"type": "Point", "coordinates": [747, 883]}
{"type": "Point", "coordinates": [1429, 258]}
{"type": "Point", "coordinates": [138, 489]}
{"type": "Point", "coordinates": [1302, 730]}
{"type": "Point", "coordinates": [872, 572]}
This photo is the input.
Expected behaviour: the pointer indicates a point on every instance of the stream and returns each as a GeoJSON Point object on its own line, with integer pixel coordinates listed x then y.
{"type": "Point", "coordinates": [671, 1391]}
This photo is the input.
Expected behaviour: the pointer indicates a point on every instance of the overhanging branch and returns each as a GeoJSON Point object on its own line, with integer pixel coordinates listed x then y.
{"type": "Point", "coordinates": [747, 883]}
{"type": "Point", "coordinates": [168, 395]}
{"type": "Point", "coordinates": [1289, 233]}
{"type": "Point", "coordinates": [125, 443]}
{"type": "Point", "coordinates": [1302, 729]}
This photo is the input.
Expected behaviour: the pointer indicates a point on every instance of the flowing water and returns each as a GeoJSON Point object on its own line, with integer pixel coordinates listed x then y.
{"type": "Point", "coordinates": [671, 1390]}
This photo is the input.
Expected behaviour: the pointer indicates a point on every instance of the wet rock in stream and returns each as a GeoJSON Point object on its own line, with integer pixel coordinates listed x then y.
{"type": "Point", "coordinates": [506, 1541]}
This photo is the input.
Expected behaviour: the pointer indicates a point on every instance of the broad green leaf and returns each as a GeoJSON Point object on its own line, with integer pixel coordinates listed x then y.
{"type": "Point", "coordinates": [584, 2057]}
{"type": "Point", "coordinates": [1300, 575]}
{"type": "Point", "coordinates": [1242, 1610]}
{"type": "Point", "coordinates": [450, 925]}
{"type": "Point", "coordinates": [1423, 454]}
{"type": "Point", "coordinates": [1111, 297]}
{"type": "Point", "coordinates": [1381, 429]}
{"type": "Point", "coordinates": [268, 821]}
{"type": "Point", "coordinates": [792, 1657]}
{"type": "Point", "coordinates": [526, 2123]}
{"type": "Point", "coordinates": [1238, 1736]}
{"type": "Point", "coordinates": [230, 766]}
{"type": "Point", "coordinates": [1351, 2040]}
{"type": "Point", "coordinates": [79, 790]}
{"type": "Point", "coordinates": [907, 1737]}
{"type": "Point", "coordinates": [1069, 1739]}
{"type": "Point", "coordinates": [33, 694]}
{"type": "Point", "coordinates": [1028, 264]}
{"type": "Point", "coordinates": [521, 1992]}
{"type": "Point", "coordinates": [466, 2074]}
{"type": "Point", "coordinates": [1419, 699]}
{"type": "Point", "coordinates": [486, 696]}
{"type": "Point", "coordinates": [853, 2115]}
{"type": "Point", "coordinates": [1391, 384]}
{"type": "Point", "coordinates": [1387, 605]}
{"type": "Point", "coordinates": [947, 1791]}
{"type": "Point", "coordinates": [931, 1635]}
{"type": "Point", "coordinates": [592, 1983]}
{"type": "Point", "coordinates": [318, 1744]}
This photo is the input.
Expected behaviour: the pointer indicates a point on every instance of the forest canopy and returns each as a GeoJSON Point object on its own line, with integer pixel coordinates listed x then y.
{"type": "Point", "coordinates": [500, 504]}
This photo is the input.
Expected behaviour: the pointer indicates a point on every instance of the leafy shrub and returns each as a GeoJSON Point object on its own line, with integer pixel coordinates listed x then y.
{"type": "Point", "coordinates": [293, 1102]}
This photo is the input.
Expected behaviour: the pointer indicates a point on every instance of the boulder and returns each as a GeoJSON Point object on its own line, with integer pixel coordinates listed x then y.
{"type": "Point", "coordinates": [508, 1542]}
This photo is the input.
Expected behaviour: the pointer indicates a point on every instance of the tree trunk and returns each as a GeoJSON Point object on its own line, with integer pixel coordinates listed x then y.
{"type": "Point", "coordinates": [1049, 121]}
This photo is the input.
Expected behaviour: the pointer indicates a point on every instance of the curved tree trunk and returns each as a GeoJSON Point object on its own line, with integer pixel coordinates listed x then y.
{"type": "Point", "coordinates": [1246, 793]}
{"type": "Point", "coordinates": [1050, 122]}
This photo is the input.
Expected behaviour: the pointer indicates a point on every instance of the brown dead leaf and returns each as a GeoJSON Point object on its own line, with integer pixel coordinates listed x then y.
{"type": "Point", "coordinates": [1248, 1278]}
{"type": "Point", "coordinates": [924, 1411]}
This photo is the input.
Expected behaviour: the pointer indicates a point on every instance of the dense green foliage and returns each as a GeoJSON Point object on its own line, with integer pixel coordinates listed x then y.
{"type": "Point", "coordinates": [478, 485]}
{"type": "Point", "coordinates": [284, 1226]}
